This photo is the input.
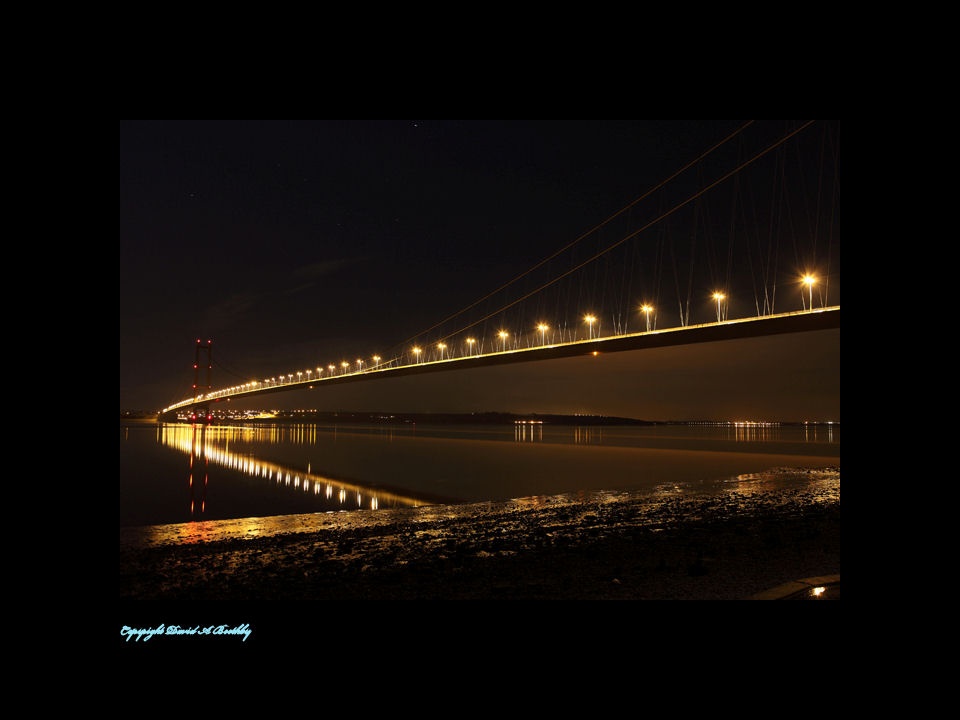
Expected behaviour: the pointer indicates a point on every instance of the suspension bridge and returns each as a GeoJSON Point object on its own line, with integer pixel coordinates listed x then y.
{"type": "Point", "coordinates": [721, 252]}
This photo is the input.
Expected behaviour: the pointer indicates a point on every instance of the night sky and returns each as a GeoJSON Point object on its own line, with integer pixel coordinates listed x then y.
{"type": "Point", "coordinates": [292, 244]}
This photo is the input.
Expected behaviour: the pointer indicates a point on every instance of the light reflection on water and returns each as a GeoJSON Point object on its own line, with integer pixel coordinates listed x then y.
{"type": "Point", "coordinates": [211, 444]}
{"type": "Point", "coordinates": [175, 473]}
{"type": "Point", "coordinates": [527, 431]}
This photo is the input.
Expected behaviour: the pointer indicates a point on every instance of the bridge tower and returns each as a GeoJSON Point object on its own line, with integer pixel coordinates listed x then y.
{"type": "Point", "coordinates": [201, 412]}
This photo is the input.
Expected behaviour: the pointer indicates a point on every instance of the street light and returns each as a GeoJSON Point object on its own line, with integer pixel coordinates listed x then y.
{"type": "Point", "coordinates": [344, 364]}
{"type": "Point", "coordinates": [810, 281]}
{"type": "Point", "coordinates": [299, 375]}
{"type": "Point", "coordinates": [376, 361]}
{"type": "Point", "coordinates": [718, 296]}
{"type": "Point", "coordinates": [590, 320]}
{"type": "Point", "coordinates": [416, 354]}
{"type": "Point", "coordinates": [333, 368]}
{"type": "Point", "coordinates": [360, 364]}
{"type": "Point", "coordinates": [309, 373]}
{"type": "Point", "coordinates": [543, 327]}
{"type": "Point", "coordinates": [470, 343]}
{"type": "Point", "coordinates": [441, 347]}
{"type": "Point", "coordinates": [647, 309]}
{"type": "Point", "coordinates": [503, 335]}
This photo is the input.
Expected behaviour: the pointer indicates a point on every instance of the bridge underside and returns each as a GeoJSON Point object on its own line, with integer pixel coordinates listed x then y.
{"type": "Point", "coordinates": [784, 369]}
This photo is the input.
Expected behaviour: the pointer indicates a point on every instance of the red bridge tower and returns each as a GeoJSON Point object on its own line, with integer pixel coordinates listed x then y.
{"type": "Point", "coordinates": [201, 412]}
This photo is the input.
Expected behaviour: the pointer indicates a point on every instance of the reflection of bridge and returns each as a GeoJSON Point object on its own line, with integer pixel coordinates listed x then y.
{"type": "Point", "coordinates": [740, 243]}
{"type": "Point", "coordinates": [207, 445]}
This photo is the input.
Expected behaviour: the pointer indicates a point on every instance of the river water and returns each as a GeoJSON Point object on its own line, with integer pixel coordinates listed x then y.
{"type": "Point", "coordinates": [177, 473]}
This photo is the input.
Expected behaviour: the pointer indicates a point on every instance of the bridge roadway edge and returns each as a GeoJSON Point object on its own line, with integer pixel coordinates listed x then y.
{"type": "Point", "coordinates": [825, 319]}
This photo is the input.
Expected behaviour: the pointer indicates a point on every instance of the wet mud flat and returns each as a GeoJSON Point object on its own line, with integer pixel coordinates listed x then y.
{"type": "Point", "coordinates": [731, 544]}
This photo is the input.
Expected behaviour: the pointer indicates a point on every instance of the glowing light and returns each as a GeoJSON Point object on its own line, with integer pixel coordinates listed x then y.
{"type": "Point", "coordinates": [810, 281]}
{"type": "Point", "coordinates": [543, 327]}
{"type": "Point", "coordinates": [590, 320]}
{"type": "Point", "coordinates": [718, 296]}
{"type": "Point", "coordinates": [647, 309]}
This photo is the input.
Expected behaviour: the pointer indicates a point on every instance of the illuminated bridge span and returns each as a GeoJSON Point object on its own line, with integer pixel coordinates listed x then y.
{"type": "Point", "coordinates": [441, 360]}
{"type": "Point", "coordinates": [740, 242]}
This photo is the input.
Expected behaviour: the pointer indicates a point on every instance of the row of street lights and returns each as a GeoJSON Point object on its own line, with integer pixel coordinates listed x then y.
{"type": "Point", "coordinates": [470, 342]}
{"type": "Point", "coordinates": [503, 336]}
{"type": "Point", "coordinates": [808, 280]}
{"type": "Point", "coordinates": [344, 368]}
{"type": "Point", "coordinates": [590, 319]}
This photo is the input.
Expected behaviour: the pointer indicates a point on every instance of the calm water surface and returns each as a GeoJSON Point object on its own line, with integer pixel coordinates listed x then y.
{"type": "Point", "coordinates": [174, 473]}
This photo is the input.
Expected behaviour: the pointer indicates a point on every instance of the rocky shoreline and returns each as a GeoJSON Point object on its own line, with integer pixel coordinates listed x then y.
{"type": "Point", "coordinates": [731, 545]}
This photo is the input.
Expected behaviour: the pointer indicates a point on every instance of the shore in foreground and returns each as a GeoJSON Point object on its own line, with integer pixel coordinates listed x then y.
{"type": "Point", "coordinates": [733, 545]}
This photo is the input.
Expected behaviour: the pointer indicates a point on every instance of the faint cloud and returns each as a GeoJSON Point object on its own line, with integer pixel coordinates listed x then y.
{"type": "Point", "coordinates": [322, 269]}
{"type": "Point", "coordinates": [238, 306]}
{"type": "Point", "coordinates": [313, 272]}
{"type": "Point", "coordinates": [232, 308]}
{"type": "Point", "coordinates": [299, 288]}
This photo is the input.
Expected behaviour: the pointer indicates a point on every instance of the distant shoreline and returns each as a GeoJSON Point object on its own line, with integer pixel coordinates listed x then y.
{"type": "Point", "coordinates": [479, 418]}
